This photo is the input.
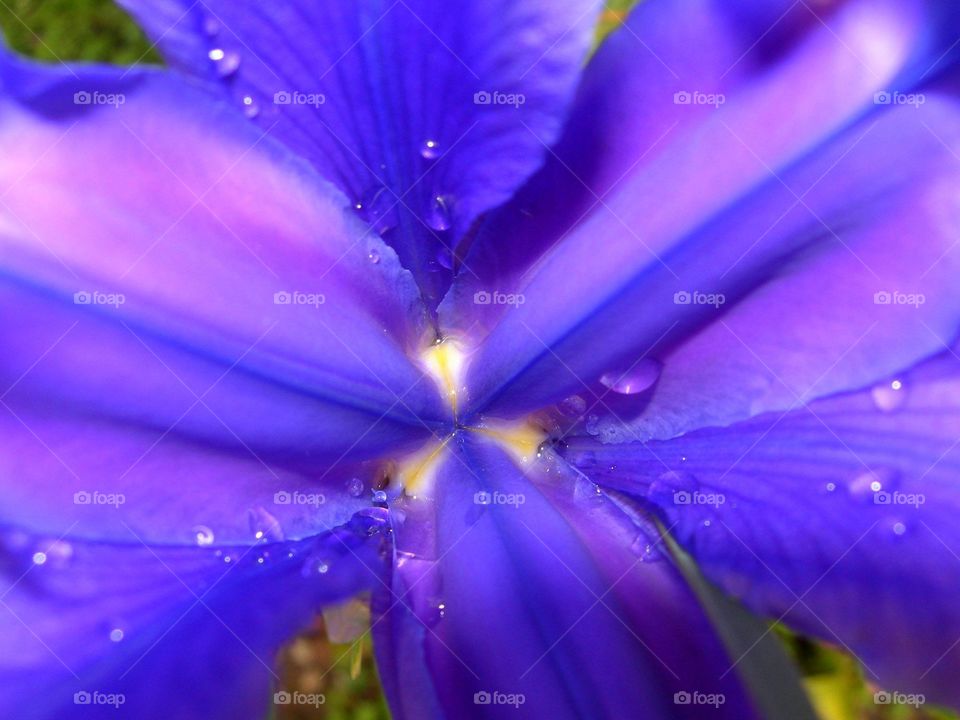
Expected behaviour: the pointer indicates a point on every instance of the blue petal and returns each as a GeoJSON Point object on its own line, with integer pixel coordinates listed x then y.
{"type": "Point", "coordinates": [168, 632]}
{"type": "Point", "coordinates": [175, 271]}
{"type": "Point", "coordinates": [839, 518]}
{"type": "Point", "coordinates": [539, 601]}
{"type": "Point", "coordinates": [812, 251]}
{"type": "Point", "coordinates": [424, 116]}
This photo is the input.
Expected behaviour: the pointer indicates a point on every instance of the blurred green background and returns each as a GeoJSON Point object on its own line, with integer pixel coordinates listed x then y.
{"type": "Point", "coordinates": [55, 30]}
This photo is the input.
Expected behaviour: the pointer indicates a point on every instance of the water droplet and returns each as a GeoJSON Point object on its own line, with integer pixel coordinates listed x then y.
{"type": "Point", "coordinates": [116, 635]}
{"type": "Point", "coordinates": [226, 62]}
{"type": "Point", "coordinates": [374, 257]}
{"type": "Point", "coordinates": [380, 497]}
{"type": "Point", "coordinates": [899, 528]}
{"type": "Point", "coordinates": [831, 486]}
{"type": "Point", "coordinates": [430, 150]}
{"type": "Point", "coordinates": [889, 396]}
{"type": "Point", "coordinates": [315, 565]}
{"type": "Point", "coordinates": [39, 558]}
{"type": "Point", "coordinates": [264, 526]}
{"type": "Point", "coordinates": [867, 484]}
{"type": "Point", "coordinates": [707, 523]}
{"type": "Point", "coordinates": [203, 535]}
{"type": "Point", "coordinates": [439, 215]}
{"type": "Point", "coordinates": [355, 487]}
{"type": "Point", "coordinates": [378, 206]}
{"type": "Point", "coordinates": [573, 406]}
{"type": "Point", "coordinates": [436, 610]}
{"type": "Point", "coordinates": [636, 379]}
{"type": "Point", "coordinates": [250, 107]}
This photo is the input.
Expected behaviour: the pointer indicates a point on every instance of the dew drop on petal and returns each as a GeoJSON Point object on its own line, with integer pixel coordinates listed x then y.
{"type": "Point", "coordinates": [250, 107]}
{"type": "Point", "coordinates": [573, 406]}
{"type": "Point", "coordinates": [439, 215]}
{"type": "Point", "coordinates": [831, 486]}
{"type": "Point", "coordinates": [430, 150]}
{"type": "Point", "coordinates": [226, 62]}
{"type": "Point", "coordinates": [889, 396]}
{"type": "Point", "coordinates": [264, 526]}
{"type": "Point", "coordinates": [641, 376]}
{"type": "Point", "coordinates": [374, 257]}
{"type": "Point", "coordinates": [379, 496]}
{"type": "Point", "coordinates": [116, 635]}
{"type": "Point", "coordinates": [355, 487]}
{"type": "Point", "coordinates": [39, 558]}
{"type": "Point", "coordinates": [203, 535]}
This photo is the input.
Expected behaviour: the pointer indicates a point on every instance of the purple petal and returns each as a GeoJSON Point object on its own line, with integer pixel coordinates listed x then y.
{"type": "Point", "coordinates": [825, 235]}
{"type": "Point", "coordinates": [424, 117]}
{"type": "Point", "coordinates": [195, 279]}
{"type": "Point", "coordinates": [839, 518]}
{"type": "Point", "coordinates": [170, 632]}
{"type": "Point", "coordinates": [540, 599]}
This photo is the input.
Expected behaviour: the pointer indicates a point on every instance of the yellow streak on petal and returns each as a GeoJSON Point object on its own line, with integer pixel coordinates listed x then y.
{"type": "Point", "coordinates": [417, 472]}
{"type": "Point", "coordinates": [445, 362]}
{"type": "Point", "coordinates": [522, 440]}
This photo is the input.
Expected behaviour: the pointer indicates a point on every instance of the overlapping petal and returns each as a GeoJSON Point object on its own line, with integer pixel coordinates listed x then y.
{"type": "Point", "coordinates": [838, 518]}
{"type": "Point", "coordinates": [167, 266]}
{"type": "Point", "coordinates": [752, 192]}
{"type": "Point", "coordinates": [423, 116]}
{"type": "Point", "coordinates": [517, 594]}
{"type": "Point", "coordinates": [98, 630]}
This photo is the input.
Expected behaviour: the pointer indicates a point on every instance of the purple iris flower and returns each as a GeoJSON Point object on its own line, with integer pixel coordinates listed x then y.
{"type": "Point", "coordinates": [426, 303]}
